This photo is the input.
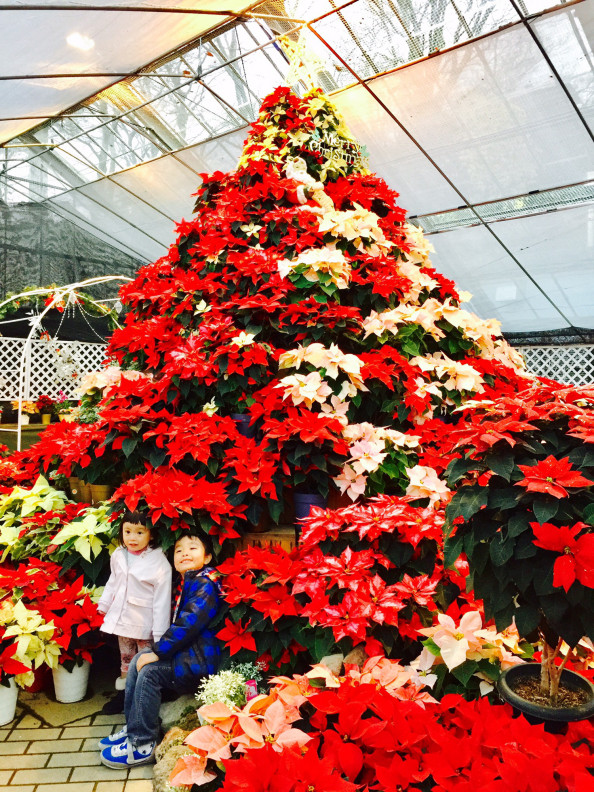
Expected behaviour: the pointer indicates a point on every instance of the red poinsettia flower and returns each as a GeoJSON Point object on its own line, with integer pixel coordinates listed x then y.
{"type": "Point", "coordinates": [236, 636]}
{"type": "Point", "coordinates": [552, 476]}
{"type": "Point", "coordinates": [576, 561]}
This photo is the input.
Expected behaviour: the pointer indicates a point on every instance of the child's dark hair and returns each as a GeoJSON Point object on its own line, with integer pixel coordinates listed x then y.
{"type": "Point", "coordinates": [136, 518]}
{"type": "Point", "coordinates": [198, 534]}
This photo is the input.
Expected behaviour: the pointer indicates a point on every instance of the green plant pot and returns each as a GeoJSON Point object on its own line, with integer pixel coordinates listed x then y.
{"type": "Point", "coordinates": [555, 719]}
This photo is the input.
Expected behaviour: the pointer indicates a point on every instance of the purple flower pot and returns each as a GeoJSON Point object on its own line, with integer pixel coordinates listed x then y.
{"type": "Point", "coordinates": [242, 421]}
{"type": "Point", "coordinates": [304, 501]}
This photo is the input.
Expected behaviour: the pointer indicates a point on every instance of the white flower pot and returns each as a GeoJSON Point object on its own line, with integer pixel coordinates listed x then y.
{"type": "Point", "coordinates": [8, 702]}
{"type": "Point", "coordinates": [25, 418]}
{"type": "Point", "coordinates": [71, 686]}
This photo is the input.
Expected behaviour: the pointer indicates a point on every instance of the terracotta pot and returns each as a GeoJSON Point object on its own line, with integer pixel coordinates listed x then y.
{"type": "Point", "coordinates": [100, 493]}
{"type": "Point", "coordinates": [85, 492]}
{"type": "Point", "coordinates": [555, 719]}
{"type": "Point", "coordinates": [74, 487]}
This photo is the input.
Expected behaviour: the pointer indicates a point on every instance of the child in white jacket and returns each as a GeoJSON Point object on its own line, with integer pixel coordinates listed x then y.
{"type": "Point", "coordinates": [137, 598]}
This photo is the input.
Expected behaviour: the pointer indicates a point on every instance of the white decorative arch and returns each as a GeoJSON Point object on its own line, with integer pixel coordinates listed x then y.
{"type": "Point", "coordinates": [60, 295]}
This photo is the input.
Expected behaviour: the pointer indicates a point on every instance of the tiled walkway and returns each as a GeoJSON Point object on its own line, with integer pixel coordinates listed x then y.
{"type": "Point", "coordinates": [52, 747]}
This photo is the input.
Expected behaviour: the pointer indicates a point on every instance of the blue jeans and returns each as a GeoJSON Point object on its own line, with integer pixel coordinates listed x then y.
{"type": "Point", "coordinates": [143, 698]}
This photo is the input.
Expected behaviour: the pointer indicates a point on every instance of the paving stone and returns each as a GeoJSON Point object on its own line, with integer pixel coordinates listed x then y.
{"type": "Point", "coordinates": [144, 771]}
{"type": "Point", "coordinates": [85, 787]}
{"type": "Point", "coordinates": [5, 776]}
{"type": "Point", "coordinates": [29, 722]}
{"type": "Point", "coordinates": [83, 732]}
{"type": "Point", "coordinates": [85, 758]}
{"type": "Point", "coordinates": [52, 775]}
{"type": "Point", "coordinates": [34, 734]}
{"type": "Point", "coordinates": [4, 734]}
{"type": "Point", "coordinates": [100, 773]}
{"type": "Point", "coordinates": [90, 744]}
{"type": "Point", "coordinates": [27, 788]}
{"type": "Point", "coordinates": [110, 786]}
{"type": "Point", "coordinates": [7, 748]}
{"type": "Point", "coordinates": [108, 720]}
{"type": "Point", "coordinates": [22, 761]}
{"type": "Point", "coordinates": [53, 746]}
{"type": "Point", "coordinates": [138, 786]}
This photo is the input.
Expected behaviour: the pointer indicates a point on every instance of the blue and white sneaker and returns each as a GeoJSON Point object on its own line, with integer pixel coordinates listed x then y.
{"type": "Point", "coordinates": [124, 754]}
{"type": "Point", "coordinates": [113, 739]}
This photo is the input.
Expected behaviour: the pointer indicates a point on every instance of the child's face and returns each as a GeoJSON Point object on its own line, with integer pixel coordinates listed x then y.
{"type": "Point", "coordinates": [189, 554]}
{"type": "Point", "coordinates": [136, 537]}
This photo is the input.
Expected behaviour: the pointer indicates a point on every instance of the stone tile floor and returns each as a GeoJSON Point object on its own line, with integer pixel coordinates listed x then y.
{"type": "Point", "coordinates": [50, 747]}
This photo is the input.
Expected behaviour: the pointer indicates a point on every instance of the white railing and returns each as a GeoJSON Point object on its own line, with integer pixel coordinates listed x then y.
{"type": "Point", "coordinates": [572, 364]}
{"type": "Point", "coordinates": [50, 366]}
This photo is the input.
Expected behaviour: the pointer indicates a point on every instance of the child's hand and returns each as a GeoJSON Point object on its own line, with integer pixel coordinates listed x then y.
{"type": "Point", "coordinates": [145, 659]}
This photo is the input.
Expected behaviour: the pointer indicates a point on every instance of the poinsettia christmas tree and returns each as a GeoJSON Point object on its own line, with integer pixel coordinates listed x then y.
{"type": "Point", "coordinates": [299, 297]}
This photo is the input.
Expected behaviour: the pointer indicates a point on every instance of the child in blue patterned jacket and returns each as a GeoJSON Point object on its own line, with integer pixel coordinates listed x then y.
{"type": "Point", "coordinates": [186, 652]}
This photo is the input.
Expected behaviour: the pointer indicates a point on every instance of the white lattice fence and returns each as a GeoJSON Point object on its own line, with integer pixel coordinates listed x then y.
{"type": "Point", "coordinates": [572, 364]}
{"type": "Point", "coordinates": [51, 366]}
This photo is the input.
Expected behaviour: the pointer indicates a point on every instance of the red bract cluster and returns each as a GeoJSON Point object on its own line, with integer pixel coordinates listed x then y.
{"type": "Point", "coordinates": [370, 575]}
{"type": "Point", "coordinates": [60, 599]}
{"type": "Point", "coordinates": [366, 739]}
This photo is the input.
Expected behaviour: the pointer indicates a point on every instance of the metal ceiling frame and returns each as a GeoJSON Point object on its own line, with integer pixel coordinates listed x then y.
{"type": "Point", "coordinates": [524, 20]}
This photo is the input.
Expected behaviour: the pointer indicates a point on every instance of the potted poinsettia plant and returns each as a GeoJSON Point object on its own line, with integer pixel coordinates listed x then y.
{"type": "Point", "coordinates": [523, 515]}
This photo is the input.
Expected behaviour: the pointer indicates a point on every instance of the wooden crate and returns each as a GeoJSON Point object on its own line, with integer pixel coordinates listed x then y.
{"type": "Point", "coordinates": [283, 535]}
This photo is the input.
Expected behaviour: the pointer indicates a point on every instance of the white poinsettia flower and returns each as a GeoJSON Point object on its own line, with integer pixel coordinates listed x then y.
{"type": "Point", "coordinates": [243, 339]}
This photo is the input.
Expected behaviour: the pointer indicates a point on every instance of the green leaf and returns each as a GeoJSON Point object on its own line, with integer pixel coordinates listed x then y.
{"type": "Point", "coordinates": [501, 463]}
{"type": "Point", "coordinates": [505, 498]}
{"type": "Point", "coordinates": [458, 468]}
{"type": "Point", "coordinates": [467, 501]}
{"type": "Point", "coordinates": [527, 618]}
{"type": "Point", "coordinates": [452, 550]}
{"type": "Point", "coordinates": [501, 549]}
{"type": "Point", "coordinates": [517, 524]}
{"type": "Point", "coordinates": [583, 456]}
{"type": "Point", "coordinates": [545, 508]}
{"type": "Point", "coordinates": [129, 444]}
{"type": "Point", "coordinates": [588, 514]}
{"type": "Point", "coordinates": [464, 671]}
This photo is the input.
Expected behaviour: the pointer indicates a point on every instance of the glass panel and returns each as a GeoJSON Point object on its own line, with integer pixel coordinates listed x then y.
{"type": "Point", "coordinates": [499, 124]}
{"type": "Point", "coordinates": [478, 263]}
{"type": "Point", "coordinates": [393, 155]}
{"type": "Point", "coordinates": [558, 250]}
{"type": "Point", "coordinates": [374, 37]}
{"type": "Point", "coordinates": [568, 38]}
{"type": "Point", "coordinates": [165, 184]}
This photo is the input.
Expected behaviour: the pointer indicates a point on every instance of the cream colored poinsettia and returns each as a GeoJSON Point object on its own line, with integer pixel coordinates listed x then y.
{"type": "Point", "coordinates": [33, 638]}
{"type": "Point", "coordinates": [88, 542]}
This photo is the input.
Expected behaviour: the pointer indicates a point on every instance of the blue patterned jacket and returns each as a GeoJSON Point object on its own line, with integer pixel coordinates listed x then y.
{"type": "Point", "coordinates": [189, 643]}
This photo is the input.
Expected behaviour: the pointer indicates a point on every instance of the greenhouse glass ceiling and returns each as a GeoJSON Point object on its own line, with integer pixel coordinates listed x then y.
{"type": "Point", "coordinates": [478, 112]}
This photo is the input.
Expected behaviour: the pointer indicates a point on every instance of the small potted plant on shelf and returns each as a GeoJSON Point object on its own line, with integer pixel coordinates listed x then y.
{"type": "Point", "coordinates": [45, 406]}
{"type": "Point", "coordinates": [63, 407]}
{"type": "Point", "coordinates": [523, 515]}
{"type": "Point", "coordinates": [27, 409]}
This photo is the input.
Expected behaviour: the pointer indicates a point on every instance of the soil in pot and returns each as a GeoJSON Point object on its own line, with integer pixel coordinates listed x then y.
{"type": "Point", "coordinates": [529, 689]}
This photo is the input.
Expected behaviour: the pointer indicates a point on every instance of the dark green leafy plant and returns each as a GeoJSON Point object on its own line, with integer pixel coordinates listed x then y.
{"type": "Point", "coordinates": [523, 514]}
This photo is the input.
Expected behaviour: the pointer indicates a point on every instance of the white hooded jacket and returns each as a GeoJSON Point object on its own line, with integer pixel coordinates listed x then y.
{"type": "Point", "coordinates": [137, 598]}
